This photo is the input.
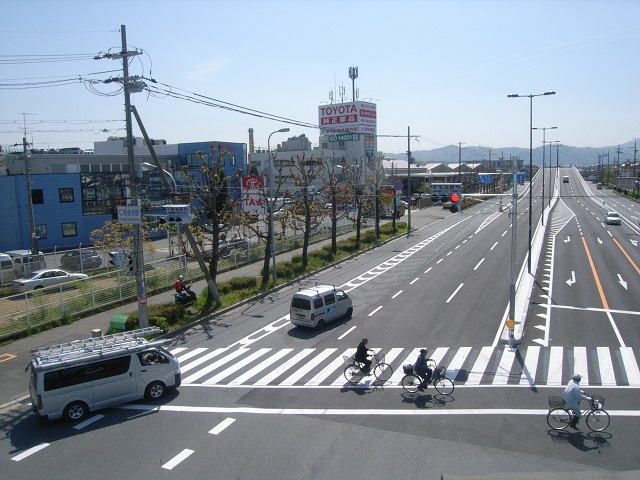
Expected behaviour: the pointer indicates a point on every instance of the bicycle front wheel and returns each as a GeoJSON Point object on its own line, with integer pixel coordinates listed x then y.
{"type": "Point", "coordinates": [598, 420]}
{"type": "Point", "coordinates": [383, 372]}
{"type": "Point", "coordinates": [353, 374]}
{"type": "Point", "coordinates": [444, 385]}
{"type": "Point", "coordinates": [410, 383]}
{"type": "Point", "coordinates": [558, 418]}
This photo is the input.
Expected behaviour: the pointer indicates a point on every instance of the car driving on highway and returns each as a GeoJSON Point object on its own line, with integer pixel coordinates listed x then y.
{"type": "Point", "coordinates": [612, 218]}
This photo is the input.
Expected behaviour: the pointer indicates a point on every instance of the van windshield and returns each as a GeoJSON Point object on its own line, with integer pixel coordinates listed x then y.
{"type": "Point", "coordinates": [301, 303]}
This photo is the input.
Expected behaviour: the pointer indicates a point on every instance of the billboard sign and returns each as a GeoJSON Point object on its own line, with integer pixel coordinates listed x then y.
{"type": "Point", "coordinates": [351, 117]}
{"type": "Point", "coordinates": [253, 195]}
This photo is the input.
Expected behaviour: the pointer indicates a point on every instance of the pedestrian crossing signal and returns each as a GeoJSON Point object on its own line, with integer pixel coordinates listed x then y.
{"type": "Point", "coordinates": [127, 262]}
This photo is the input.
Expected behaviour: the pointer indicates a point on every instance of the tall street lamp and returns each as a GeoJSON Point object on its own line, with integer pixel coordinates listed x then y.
{"type": "Point", "coordinates": [544, 131]}
{"type": "Point", "coordinates": [270, 203]}
{"type": "Point", "coordinates": [530, 96]}
{"type": "Point", "coordinates": [173, 180]}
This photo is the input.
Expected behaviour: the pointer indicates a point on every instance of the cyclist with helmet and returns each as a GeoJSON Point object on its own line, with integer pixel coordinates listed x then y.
{"type": "Point", "coordinates": [179, 284]}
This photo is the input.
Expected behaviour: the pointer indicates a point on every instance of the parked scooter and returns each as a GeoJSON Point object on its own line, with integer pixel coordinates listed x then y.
{"type": "Point", "coordinates": [185, 296]}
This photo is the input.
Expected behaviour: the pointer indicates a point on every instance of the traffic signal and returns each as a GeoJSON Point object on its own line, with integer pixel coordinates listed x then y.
{"type": "Point", "coordinates": [127, 262]}
{"type": "Point", "coordinates": [456, 202]}
{"type": "Point", "coordinates": [435, 197]}
{"type": "Point", "coordinates": [115, 259]}
{"type": "Point", "coordinates": [444, 197]}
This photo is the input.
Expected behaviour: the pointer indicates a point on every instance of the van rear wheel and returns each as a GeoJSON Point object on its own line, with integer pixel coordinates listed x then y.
{"type": "Point", "coordinates": [75, 411]}
{"type": "Point", "coordinates": [155, 390]}
{"type": "Point", "coordinates": [320, 325]}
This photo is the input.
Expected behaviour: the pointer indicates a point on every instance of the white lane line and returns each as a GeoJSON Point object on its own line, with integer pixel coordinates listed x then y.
{"type": "Point", "coordinates": [372, 313]}
{"type": "Point", "coordinates": [221, 426]}
{"type": "Point", "coordinates": [428, 270]}
{"type": "Point", "coordinates": [88, 422]}
{"type": "Point", "coordinates": [177, 459]}
{"type": "Point", "coordinates": [454, 293]}
{"type": "Point", "coordinates": [370, 411]}
{"type": "Point", "coordinates": [476, 267]}
{"type": "Point", "coordinates": [493, 246]}
{"type": "Point", "coordinates": [30, 451]}
{"type": "Point", "coordinates": [347, 332]}
{"type": "Point", "coordinates": [414, 281]}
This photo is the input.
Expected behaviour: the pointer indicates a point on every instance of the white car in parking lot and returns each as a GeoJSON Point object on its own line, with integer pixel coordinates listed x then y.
{"type": "Point", "coordinates": [45, 278]}
{"type": "Point", "coordinates": [612, 218]}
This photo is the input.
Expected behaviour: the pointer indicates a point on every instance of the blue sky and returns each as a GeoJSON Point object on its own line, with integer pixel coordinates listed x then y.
{"type": "Point", "coordinates": [442, 68]}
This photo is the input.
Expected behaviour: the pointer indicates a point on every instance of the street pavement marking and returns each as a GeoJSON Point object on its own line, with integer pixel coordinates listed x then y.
{"type": "Point", "coordinates": [183, 455]}
{"type": "Point", "coordinates": [221, 426]}
{"type": "Point", "coordinates": [88, 422]}
{"type": "Point", "coordinates": [358, 411]}
{"type": "Point", "coordinates": [30, 451]}
{"type": "Point", "coordinates": [6, 356]}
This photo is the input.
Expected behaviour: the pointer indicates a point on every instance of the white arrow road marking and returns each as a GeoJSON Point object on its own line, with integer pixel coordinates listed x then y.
{"type": "Point", "coordinates": [568, 239]}
{"type": "Point", "coordinates": [634, 242]}
{"type": "Point", "coordinates": [599, 241]}
{"type": "Point", "coordinates": [622, 282]}
{"type": "Point", "coordinates": [572, 280]}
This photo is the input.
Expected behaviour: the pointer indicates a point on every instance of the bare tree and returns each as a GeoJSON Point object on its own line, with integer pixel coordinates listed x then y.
{"type": "Point", "coordinates": [336, 190]}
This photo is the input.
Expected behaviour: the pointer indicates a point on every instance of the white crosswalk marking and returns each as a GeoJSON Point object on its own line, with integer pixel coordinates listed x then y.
{"type": "Point", "coordinates": [504, 369]}
{"type": "Point", "coordinates": [580, 364]}
{"type": "Point", "coordinates": [630, 366]}
{"type": "Point", "coordinates": [555, 366]}
{"type": "Point", "coordinates": [267, 379]}
{"type": "Point", "coordinates": [490, 366]}
{"type": "Point", "coordinates": [261, 366]}
{"type": "Point", "coordinates": [236, 366]}
{"type": "Point", "coordinates": [214, 365]}
{"type": "Point", "coordinates": [607, 376]}
{"type": "Point", "coordinates": [478, 369]}
{"type": "Point", "coordinates": [530, 366]}
{"type": "Point", "coordinates": [456, 363]}
{"type": "Point", "coordinates": [307, 367]}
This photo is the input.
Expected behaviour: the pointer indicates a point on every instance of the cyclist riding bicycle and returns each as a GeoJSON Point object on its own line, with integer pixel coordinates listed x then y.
{"type": "Point", "coordinates": [362, 355]}
{"type": "Point", "coordinates": [572, 396]}
{"type": "Point", "coordinates": [422, 369]}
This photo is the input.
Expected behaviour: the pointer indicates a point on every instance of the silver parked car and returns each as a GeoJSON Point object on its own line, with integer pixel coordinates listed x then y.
{"type": "Point", "coordinates": [45, 278]}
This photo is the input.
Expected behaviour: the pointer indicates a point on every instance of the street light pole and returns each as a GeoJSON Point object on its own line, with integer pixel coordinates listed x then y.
{"type": "Point", "coordinates": [270, 203]}
{"type": "Point", "coordinates": [530, 96]}
{"type": "Point", "coordinates": [544, 132]}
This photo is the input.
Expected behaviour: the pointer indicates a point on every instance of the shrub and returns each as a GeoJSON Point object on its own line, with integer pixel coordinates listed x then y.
{"type": "Point", "coordinates": [324, 255]}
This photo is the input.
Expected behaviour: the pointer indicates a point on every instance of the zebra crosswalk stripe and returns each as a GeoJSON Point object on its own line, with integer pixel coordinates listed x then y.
{"type": "Point", "coordinates": [502, 366]}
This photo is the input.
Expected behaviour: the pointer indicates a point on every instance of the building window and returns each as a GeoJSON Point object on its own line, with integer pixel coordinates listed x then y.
{"type": "Point", "coordinates": [69, 229]}
{"type": "Point", "coordinates": [102, 192]}
{"type": "Point", "coordinates": [194, 159]}
{"type": "Point", "coordinates": [37, 197]}
{"type": "Point", "coordinates": [66, 195]}
{"type": "Point", "coordinates": [41, 231]}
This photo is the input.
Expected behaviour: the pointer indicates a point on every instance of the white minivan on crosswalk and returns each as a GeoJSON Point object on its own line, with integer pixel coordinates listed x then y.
{"type": "Point", "coordinates": [316, 306]}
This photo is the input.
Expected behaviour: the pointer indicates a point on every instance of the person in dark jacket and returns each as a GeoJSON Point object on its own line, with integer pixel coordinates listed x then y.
{"type": "Point", "coordinates": [362, 355]}
{"type": "Point", "coordinates": [422, 369]}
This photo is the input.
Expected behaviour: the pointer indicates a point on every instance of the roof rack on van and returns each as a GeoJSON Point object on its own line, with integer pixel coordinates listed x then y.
{"type": "Point", "coordinates": [316, 286]}
{"type": "Point", "coordinates": [80, 351]}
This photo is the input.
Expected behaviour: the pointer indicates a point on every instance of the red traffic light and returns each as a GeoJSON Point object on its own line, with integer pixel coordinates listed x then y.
{"type": "Point", "coordinates": [455, 197]}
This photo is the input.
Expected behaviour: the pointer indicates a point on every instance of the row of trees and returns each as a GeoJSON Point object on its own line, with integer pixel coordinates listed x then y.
{"type": "Point", "coordinates": [346, 191]}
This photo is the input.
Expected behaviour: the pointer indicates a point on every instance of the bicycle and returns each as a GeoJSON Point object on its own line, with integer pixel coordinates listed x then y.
{"type": "Point", "coordinates": [353, 369]}
{"type": "Point", "coordinates": [411, 380]}
{"type": "Point", "coordinates": [559, 417]}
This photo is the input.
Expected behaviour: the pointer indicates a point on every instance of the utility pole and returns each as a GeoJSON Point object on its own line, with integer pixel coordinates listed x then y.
{"type": "Point", "coordinates": [27, 171]}
{"type": "Point", "coordinates": [408, 181]}
{"type": "Point", "coordinates": [127, 84]}
{"type": "Point", "coordinates": [635, 182]}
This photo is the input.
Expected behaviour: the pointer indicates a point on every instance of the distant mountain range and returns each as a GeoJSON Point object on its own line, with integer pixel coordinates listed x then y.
{"type": "Point", "coordinates": [567, 155]}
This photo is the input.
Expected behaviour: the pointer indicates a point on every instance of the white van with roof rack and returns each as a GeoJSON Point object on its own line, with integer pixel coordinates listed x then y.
{"type": "Point", "coordinates": [314, 307]}
{"type": "Point", "coordinates": [71, 379]}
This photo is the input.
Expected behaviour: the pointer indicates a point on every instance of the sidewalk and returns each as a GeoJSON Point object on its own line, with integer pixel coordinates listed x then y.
{"type": "Point", "coordinates": [15, 356]}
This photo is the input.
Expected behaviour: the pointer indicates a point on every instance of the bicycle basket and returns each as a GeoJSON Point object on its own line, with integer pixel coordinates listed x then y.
{"type": "Point", "coordinates": [598, 399]}
{"type": "Point", "coordinates": [556, 402]}
{"type": "Point", "coordinates": [408, 369]}
{"type": "Point", "coordinates": [439, 372]}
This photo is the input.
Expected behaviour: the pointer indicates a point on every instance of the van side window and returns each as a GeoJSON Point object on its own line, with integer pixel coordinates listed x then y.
{"type": "Point", "coordinates": [330, 299]}
{"type": "Point", "coordinates": [317, 303]}
{"type": "Point", "coordinates": [340, 295]}
{"type": "Point", "coordinates": [66, 377]}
